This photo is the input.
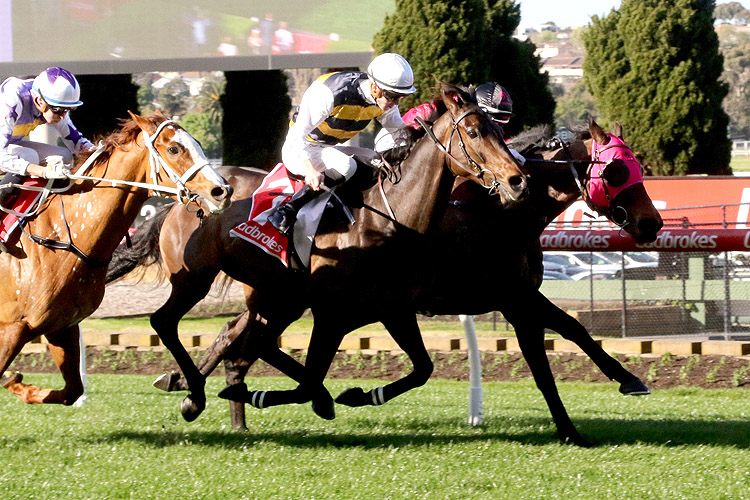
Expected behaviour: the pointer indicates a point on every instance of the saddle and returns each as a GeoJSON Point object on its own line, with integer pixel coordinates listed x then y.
{"type": "Point", "coordinates": [277, 188]}
{"type": "Point", "coordinates": [21, 205]}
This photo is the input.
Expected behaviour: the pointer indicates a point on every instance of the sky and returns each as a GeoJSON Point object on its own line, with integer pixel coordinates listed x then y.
{"type": "Point", "coordinates": [570, 12]}
{"type": "Point", "coordinates": [564, 12]}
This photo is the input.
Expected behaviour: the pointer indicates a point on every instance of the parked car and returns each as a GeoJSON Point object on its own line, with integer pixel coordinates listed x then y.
{"type": "Point", "coordinates": [555, 275]}
{"type": "Point", "coordinates": [595, 275]}
{"type": "Point", "coordinates": [577, 262]}
{"type": "Point", "coordinates": [632, 259]}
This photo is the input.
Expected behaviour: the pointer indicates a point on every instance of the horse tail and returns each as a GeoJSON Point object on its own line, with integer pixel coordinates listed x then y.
{"type": "Point", "coordinates": [143, 250]}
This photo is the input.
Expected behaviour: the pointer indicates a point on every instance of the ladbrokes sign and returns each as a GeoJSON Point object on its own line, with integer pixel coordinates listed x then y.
{"type": "Point", "coordinates": [701, 214]}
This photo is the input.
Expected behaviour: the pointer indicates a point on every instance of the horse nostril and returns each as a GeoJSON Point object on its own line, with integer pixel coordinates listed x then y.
{"type": "Point", "coordinates": [222, 192]}
{"type": "Point", "coordinates": [517, 183]}
{"type": "Point", "coordinates": [650, 226]}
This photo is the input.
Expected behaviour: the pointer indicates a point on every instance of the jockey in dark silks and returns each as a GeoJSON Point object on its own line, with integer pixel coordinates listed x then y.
{"type": "Point", "coordinates": [336, 108]}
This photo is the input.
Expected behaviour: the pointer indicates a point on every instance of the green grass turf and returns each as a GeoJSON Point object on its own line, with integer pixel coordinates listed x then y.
{"type": "Point", "coordinates": [128, 441]}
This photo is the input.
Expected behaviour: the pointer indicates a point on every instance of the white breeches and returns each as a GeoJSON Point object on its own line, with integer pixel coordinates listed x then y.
{"type": "Point", "coordinates": [338, 158]}
{"type": "Point", "coordinates": [35, 152]}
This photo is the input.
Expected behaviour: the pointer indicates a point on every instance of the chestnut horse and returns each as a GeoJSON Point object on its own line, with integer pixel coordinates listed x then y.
{"type": "Point", "coordinates": [358, 274]}
{"type": "Point", "coordinates": [473, 230]}
{"type": "Point", "coordinates": [60, 280]}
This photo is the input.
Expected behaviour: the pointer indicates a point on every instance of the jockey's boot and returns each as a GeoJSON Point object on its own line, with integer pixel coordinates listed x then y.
{"type": "Point", "coordinates": [5, 192]}
{"type": "Point", "coordinates": [284, 217]}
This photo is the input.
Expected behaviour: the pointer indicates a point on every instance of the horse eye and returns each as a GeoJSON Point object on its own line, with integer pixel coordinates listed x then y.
{"type": "Point", "coordinates": [173, 150]}
{"type": "Point", "coordinates": [473, 133]}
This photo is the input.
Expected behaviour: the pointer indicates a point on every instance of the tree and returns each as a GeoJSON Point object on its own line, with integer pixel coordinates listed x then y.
{"type": "Point", "coordinates": [654, 65]}
{"type": "Point", "coordinates": [206, 129]}
{"type": "Point", "coordinates": [574, 107]}
{"type": "Point", "coordinates": [444, 40]}
{"type": "Point", "coordinates": [735, 45]}
{"type": "Point", "coordinates": [468, 42]}
{"type": "Point", "coordinates": [728, 11]}
{"type": "Point", "coordinates": [256, 117]}
{"type": "Point", "coordinates": [514, 66]}
{"type": "Point", "coordinates": [107, 99]}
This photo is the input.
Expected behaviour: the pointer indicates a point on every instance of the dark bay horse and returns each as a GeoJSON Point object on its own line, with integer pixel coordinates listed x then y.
{"type": "Point", "coordinates": [473, 234]}
{"type": "Point", "coordinates": [358, 274]}
{"type": "Point", "coordinates": [50, 290]}
{"type": "Point", "coordinates": [460, 278]}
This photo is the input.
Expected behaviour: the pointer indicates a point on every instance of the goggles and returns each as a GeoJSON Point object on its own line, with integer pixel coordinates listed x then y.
{"type": "Point", "coordinates": [391, 96]}
{"type": "Point", "coordinates": [58, 110]}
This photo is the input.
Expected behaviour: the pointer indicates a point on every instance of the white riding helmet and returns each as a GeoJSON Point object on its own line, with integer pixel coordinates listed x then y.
{"type": "Point", "coordinates": [58, 87]}
{"type": "Point", "coordinates": [392, 72]}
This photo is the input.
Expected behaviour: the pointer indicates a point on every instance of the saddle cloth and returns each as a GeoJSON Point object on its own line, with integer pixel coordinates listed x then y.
{"type": "Point", "coordinates": [22, 201]}
{"type": "Point", "coordinates": [277, 187]}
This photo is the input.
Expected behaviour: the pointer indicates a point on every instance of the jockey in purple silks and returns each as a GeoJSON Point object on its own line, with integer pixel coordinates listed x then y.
{"type": "Point", "coordinates": [26, 104]}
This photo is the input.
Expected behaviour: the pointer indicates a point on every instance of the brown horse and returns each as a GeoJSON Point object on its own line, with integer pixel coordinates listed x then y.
{"type": "Point", "coordinates": [473, 230]}
{"type": "Point", "coordinates": [60, 281]}
{"type": "Point", "coordinates": [460, 278]}
{"type": "Point", "coordinates": [358, 274]}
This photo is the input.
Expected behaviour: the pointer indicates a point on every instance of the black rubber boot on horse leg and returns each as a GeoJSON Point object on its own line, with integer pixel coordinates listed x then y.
{"type": "Point", "coordinates": [284, 217]}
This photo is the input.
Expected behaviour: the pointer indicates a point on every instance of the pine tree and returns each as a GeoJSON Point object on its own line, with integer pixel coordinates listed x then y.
{"type": "Point", "coordinates": [256, 117]}
{"type": "Point", "coordinates": [469, 42]}
{"type": "Point", "coordinates": [440, 39]}
{"type": "Point", "coordinates": [514, 66]}
{"type": "Point", "coordinates": [654, 65]}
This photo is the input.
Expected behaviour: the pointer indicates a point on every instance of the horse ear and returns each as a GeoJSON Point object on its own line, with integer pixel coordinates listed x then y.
{"type": "Point", "coordinates": [142, 123]}
{"type": "Point", "coordinates": [453, 96]}
{"type": "Point", "coordinates": [597, 132]}
{"type": "Point", "coordinates": [617, 130]}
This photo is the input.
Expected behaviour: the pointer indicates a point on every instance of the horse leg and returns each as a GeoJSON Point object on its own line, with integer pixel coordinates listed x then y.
{"type": "Point", "coordinates": [165, 322]}
{"type": "Point", "coordinates": [261, 342]}
{"type": "Point", "coordinates": [558, 320]}
{"type": "Point", "coordinates": [320, 354]}
{"type": "Point", "coordinates": [13, 336]}
{"type": "Point", "coordinates": [215, 353]}
{"type": "Point", "coordinates": [64, 347]}
{"type": "Point", "coordinates": [531, 341]}
{"type": "Point", "coordinates": [405, 331]}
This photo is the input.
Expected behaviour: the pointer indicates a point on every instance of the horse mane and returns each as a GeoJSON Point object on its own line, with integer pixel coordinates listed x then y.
{"type": "Point", "coordinates": [127, 134]}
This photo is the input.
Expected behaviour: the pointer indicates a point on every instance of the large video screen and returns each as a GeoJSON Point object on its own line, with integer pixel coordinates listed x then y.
{"type": "Point", "coordinates": [88, 30]}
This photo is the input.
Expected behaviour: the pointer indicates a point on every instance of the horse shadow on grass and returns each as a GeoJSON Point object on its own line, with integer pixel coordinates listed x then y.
{"type": "Point", "coordinates": [599, 432]}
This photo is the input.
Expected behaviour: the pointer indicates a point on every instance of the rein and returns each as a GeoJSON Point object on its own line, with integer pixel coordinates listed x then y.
{"type": "Point", "coordinates": [473, 169]}
{"type": "Point", "coordinates": [182, 193]}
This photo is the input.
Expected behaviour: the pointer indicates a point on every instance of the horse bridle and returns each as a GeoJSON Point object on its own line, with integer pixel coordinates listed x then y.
{"type": "Point", "coordinates": [183, 194]}
{"type": "Point", "coordinates": [474, 170]}
{"type": "Point", "coordinates": [610, 212]}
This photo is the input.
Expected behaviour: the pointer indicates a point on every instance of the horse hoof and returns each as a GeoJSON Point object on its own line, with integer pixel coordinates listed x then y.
{"type": "Point", "coordinates": [575, 439]}
{"type": "Point", "coordinates": [235, 392]}
{"type": "Point", "coordinates": [167, 381]}
{"type": "Point", "coordinates": [353, 397]}
{"type": "Point", "coordinates": [323, 407]}
{"type": "Point", "coordinates": [8, 379]}
{"type": "Point", "coordinates": [635, 387]}
{"type": "Point", "coordinates": [191, 409]}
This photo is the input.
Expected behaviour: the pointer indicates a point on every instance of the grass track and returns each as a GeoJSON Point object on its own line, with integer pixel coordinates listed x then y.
{"type": "Point", "coordinates": [128, 441]}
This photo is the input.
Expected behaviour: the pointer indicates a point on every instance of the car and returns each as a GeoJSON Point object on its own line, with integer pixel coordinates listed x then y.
{"type": "Point", "coordinates": [595, 275]}
{"type": "Point", "coordinates": [632, 259]}
{"type": "Point", "coordinates": [577, 262]}
{"type": "Point", "coordinates": [555, 275]}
